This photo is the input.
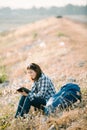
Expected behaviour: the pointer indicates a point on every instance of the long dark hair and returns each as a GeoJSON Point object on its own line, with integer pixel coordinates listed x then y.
{"type": "Point", "coordinates": [36, 68]}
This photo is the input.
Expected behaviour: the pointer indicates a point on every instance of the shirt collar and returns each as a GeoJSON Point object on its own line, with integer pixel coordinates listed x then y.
{"type": "Point", "coordinates": [41, 77]}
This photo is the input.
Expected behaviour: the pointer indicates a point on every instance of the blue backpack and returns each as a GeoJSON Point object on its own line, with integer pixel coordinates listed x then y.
{"type": "Point", "coordinates": [65, 97]}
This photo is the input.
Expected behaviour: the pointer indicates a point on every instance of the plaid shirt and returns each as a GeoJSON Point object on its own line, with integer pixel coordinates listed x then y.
{"type": "Point", "coordinates": [42, 88]}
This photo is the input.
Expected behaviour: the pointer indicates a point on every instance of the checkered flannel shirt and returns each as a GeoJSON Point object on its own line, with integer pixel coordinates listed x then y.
{"type": "Point", "coordinates": [42, 88]}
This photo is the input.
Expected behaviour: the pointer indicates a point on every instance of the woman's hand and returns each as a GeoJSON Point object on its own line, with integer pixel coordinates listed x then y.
{"type": "Point", "coordinates": [24, 93]}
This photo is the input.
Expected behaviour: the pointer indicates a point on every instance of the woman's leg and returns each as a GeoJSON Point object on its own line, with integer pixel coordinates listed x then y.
{"type": "Point", "coordinates": [26, 107]}
{"type": "Point", "coordinates": [38, 103]}
{"type": "Point", "coordinates": [20, 105]}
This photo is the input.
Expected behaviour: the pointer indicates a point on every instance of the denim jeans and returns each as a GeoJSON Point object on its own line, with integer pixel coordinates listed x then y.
{"type": "Point", "coordinates": [25, 104]}
{"type": "Point", "coordinates": [65, 97]}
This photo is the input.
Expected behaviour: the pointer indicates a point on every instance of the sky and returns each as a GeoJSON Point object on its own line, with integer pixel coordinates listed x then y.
{"type": "Point", "coordinates": [39, 3]}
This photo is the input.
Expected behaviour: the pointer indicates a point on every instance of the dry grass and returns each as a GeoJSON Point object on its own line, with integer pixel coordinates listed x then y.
{"type": "Point", "coordinates": [62, 56]}
{"type": "Point", "coordinates": [72, 120]}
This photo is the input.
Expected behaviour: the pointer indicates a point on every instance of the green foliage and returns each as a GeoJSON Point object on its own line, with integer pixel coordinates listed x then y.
{"type": "Point", "coordinates": [3, 78]}
{"type": "Point", "coordinates": [3, 75]}
{"type": "Point", "coordinates": [60, 34]}
{"type": "Point", "coordinates": [4, 123]}
{"type": "Point", "coordinates": [0, 93]}
{"type": "Point", "coordinates": [34, 35]}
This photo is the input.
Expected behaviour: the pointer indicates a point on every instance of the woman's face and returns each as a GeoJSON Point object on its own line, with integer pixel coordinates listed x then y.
{"type": "Point", "coordinates": [32, 74]}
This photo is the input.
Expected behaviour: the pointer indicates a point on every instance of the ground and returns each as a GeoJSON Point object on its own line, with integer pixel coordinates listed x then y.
{"type": "Point", "coordinates": [59, 46]}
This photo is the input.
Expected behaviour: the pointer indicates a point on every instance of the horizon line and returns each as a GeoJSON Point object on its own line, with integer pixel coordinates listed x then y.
{"type": "Point", "coordinates": [39, 7]}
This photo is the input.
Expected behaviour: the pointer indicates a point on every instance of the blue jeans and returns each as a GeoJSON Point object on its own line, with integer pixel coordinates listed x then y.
{"type": "Point", "coordinates": [25, 104]}
{"type": "Point", "coordinates": [65, 97]}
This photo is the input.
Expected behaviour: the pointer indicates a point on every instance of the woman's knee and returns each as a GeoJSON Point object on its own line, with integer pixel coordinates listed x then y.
{"type": "Point", "coordinates": [22, 99]}
{"type": "Point", "coordinates": [27, 101]}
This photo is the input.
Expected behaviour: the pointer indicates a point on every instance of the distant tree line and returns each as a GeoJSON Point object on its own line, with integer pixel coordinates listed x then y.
{"type": "Point", "coordinates": [52, 11]}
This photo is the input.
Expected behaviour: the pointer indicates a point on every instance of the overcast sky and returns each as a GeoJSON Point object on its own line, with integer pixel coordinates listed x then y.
{"type": "Point", "coordinates": [39, 3]}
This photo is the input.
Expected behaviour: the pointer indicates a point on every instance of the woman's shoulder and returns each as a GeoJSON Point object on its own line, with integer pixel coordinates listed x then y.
{"type": "Point", "coordinates": [44, 77]}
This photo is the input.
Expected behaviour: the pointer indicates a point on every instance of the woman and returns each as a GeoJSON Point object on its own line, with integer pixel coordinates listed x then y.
{"type": "Point", "coordinates": [42, 90]}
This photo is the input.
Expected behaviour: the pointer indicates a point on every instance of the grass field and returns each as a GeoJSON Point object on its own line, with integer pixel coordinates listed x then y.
{"type": "Point", "coordinates": [59, 46]}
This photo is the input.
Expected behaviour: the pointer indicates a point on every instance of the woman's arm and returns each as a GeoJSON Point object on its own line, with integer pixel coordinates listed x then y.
{"type": "Point", "coordinates": [43, 87]}
{"type": "Point", "coordinates": [31, 94]}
